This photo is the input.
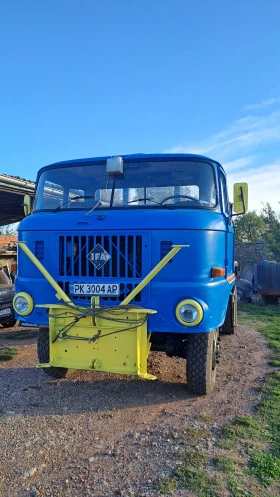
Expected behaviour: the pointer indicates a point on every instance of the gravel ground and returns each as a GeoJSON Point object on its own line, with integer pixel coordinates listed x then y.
{"type": "Point", "coordinates": [103, 435]}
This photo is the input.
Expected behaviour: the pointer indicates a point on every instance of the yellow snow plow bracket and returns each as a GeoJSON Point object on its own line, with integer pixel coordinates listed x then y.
{"type": "Point", "coordinates": [114, 340]}
{"type": "Point", "coordinates": [117, 345]}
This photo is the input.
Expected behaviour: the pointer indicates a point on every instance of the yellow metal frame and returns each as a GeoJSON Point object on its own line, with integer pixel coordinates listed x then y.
{"type": "Point", "coordinates": [60, 295]}
{"type": "Point", "coordinates": [114, 340]}
{"type": "Point", "coordinates": [102, 346]}
{"type": "Point", "coordinates": [198, 308]}
{"type": "Point", "coordinates": [174, 250]}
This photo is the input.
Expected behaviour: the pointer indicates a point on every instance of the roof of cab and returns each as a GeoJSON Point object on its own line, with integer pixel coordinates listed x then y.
{"type": "Point", "coordinates": [130, 157]}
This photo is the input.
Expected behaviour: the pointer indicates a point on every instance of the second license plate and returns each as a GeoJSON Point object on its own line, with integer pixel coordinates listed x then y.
{"type": "Point", "coordinates": [5, 312]}
{"type": "Point", "coordinates": [107, 289]}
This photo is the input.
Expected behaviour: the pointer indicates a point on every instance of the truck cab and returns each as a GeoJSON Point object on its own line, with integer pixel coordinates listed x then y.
{"type": "Point", "coordinates": [100, 226]}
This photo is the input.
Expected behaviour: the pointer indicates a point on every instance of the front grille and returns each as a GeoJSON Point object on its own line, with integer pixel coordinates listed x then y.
{"type": "Point", "coordinates": [125, 252]}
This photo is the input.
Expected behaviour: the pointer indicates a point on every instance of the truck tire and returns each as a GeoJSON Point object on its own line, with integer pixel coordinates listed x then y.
{"type": "Point", "coordinates": [202, 356]}
{"type": "Point", "coordinates": [9, 324]}
{"type": "Point", "coordinates": [230, 322]}
{"type": "Point", "coordinates": [43, 351]}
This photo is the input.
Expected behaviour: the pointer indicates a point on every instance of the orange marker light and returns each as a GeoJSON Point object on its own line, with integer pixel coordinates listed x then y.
{"type": "Point", "coordinates": [217, 271]}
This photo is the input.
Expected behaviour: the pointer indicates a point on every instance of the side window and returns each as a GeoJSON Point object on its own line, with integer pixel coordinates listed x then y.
{"type": "Point", "coordinates": [52, 196]}
{"type": "Point", "coordinates": [225, 202]}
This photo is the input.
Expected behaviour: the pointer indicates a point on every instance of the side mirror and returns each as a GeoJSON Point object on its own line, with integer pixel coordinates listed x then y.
{"type": "Point", "coordinates": [27, 205]}
{"type": "Point", "coordinates": [240, 198]}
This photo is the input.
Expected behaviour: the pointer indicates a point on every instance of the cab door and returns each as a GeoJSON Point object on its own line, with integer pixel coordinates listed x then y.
{"type": "Point", "coordinates": [229, 245]}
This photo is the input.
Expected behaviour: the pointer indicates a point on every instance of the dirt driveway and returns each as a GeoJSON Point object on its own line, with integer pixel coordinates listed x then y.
{"type": "Point", "coordinates": [95, 434]}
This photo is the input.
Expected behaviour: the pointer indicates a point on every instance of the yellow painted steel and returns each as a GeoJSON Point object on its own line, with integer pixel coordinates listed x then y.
{"type": "Point", "coordinates": [112, 350]}
{"type": "Point", "coordinates": [60, 295]}
{"type": "Point", "coordinates": [174, 250]}
{"type": "Point", "coordinates": [99, 341]}
{"type": "Point", "coordinates": [197, 307]}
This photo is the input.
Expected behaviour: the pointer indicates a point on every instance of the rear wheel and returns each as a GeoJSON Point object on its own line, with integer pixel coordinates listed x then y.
{"type": "Point", "coordinates": [230, 323]}
{"type": "Point", "coordinates": [202, 355]}
{"type": "Point", "coordinates": [43, 351]}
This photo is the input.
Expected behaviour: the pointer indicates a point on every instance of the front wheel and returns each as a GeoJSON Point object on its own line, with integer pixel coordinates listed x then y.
{"type": "Point", "coordinates": [203, 351]}
{"type": "Point", "coordinates": [43, 351]}
{"type": "Point", "coordinates": [230, 323]}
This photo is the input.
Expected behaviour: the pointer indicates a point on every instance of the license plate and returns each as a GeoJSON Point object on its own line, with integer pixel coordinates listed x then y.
{"type": "Point", "coordinates": [4, 312]}
{"type": "Point", "coordinates": [95, 289]}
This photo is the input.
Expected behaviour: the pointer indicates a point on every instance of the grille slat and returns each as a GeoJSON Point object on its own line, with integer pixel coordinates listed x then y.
{"type": "Point", "coordinates": [124, 267]}
{"type": "Point", "coordinates": [125, 252]}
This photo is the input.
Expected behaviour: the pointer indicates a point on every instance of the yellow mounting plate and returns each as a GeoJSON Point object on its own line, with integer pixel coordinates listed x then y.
{"type": "Point", "coordinates": [114, 350]}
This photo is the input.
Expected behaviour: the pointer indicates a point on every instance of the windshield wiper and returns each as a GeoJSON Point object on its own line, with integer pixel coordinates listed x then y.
{"type": "Point", "coordinates": [144, 200]}
{"type": "Point", "coordinates": [71, 199]}
{"type": "Point", "coordinates": [150, 199]}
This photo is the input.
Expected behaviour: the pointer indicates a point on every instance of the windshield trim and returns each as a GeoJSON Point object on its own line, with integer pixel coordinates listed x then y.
{"type": "Point", "coordinates": [214, 165]}
{"type": "Point", "coordinates": [126, 208]}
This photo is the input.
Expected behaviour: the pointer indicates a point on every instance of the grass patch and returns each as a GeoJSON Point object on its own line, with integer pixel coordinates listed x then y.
{"type": "Point", "coordinates": [20, 334]}
{"type": "Point", "coordinates": [269, 408]}
{"type": "Point", "coordinates": [256, 439]}
{"type": "Point", "coordinates": [205, 418]}
{"type": "Point", "coordinates": [166, 485]}
{"type": "Point", "coordinates": [196, 480]}
{"type": "Point", "coordinates": [7, 353]}
{"type": "Point", "coordinates": [266, 467]}
{"type": "Point", "coordinates": [193, 436]}
{"type": "Point", "coordinates": [190, 474]}
{"type": "Point", "coordinates": [236, 489]}
{"type": "Point", "coordinates": [244, 428]}
{"type": "Point", "coordinates": [225, 464]}
{"type": "Point", "coordinates": [226, 444]}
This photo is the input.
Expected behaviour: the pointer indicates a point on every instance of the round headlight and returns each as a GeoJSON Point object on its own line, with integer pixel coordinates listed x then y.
{"type": "Point", "coordinates": [189, 312]}
{"type": "Point", "coordinates": [23, 304]}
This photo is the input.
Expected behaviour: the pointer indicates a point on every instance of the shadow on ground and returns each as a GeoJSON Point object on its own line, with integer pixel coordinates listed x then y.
{"type": "Point", "coordinates": [29, 391]}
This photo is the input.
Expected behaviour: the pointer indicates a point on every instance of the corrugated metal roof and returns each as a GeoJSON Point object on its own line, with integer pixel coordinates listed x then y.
{"type": "Point", "coordinates": [16, 177]}
{"type": "Point", "coordinates": [12, 191]}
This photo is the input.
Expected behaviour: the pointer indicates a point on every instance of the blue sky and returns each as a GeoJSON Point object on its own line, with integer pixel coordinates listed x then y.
{"type": "Point", "coordinates": [88, 78]}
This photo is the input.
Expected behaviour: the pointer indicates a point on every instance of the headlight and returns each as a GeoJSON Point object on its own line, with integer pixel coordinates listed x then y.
{"type": "Point", "coordinates": [23, 304]}
{"type": "Point", "coordinates": [189, 312]}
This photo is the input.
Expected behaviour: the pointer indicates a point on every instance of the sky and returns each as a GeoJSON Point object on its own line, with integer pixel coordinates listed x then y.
{"type": "Point", "coordinates": [86, 78]}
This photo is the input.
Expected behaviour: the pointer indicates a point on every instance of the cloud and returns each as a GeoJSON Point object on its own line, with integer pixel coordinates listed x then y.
{"type": "Point", "coordinates": [241, 135]}
{"type": "Point", "coordinates": [264, 103]}
{"type": "Point", "coordinates": [248, 148]}
{"type": "Point", "coordinates": [237, 164]}
{"type": "Point", "coordinates": [264, 184]}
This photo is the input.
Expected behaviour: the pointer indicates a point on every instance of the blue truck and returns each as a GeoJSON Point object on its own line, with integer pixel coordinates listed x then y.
{"type": "Point", "coordinates": [140, 250]}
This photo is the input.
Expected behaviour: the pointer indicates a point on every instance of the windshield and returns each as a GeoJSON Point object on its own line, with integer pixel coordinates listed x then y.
{"type": "Point", "coordinates": [154, 184]}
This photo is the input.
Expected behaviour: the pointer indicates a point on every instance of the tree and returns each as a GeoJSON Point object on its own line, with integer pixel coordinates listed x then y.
{"type": "Point", "coordinates": [250, 228]}
{"type": "Point", "coordinates": [9, 230]}
{"type": "Point", "coordinates": [272, 233]}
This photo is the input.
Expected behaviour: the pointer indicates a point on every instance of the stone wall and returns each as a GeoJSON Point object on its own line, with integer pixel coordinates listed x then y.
{"type": "Point", "coordinates": [248, 254]}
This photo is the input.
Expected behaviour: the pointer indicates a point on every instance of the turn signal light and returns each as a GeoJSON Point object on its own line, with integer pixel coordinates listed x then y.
{"type": "Point", "coordinates": [217, 271]}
